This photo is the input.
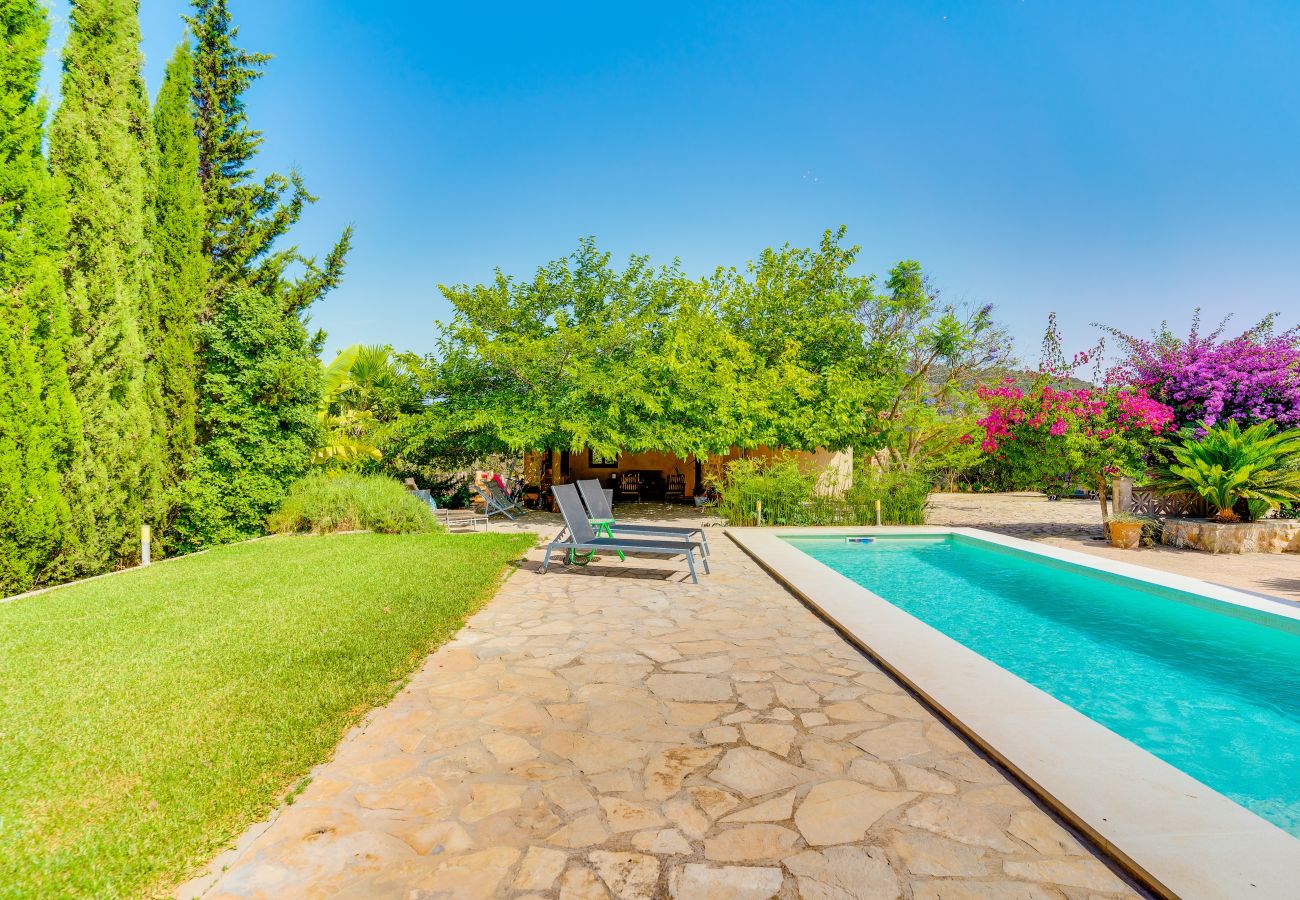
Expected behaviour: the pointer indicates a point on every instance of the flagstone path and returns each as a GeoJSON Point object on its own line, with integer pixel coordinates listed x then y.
{"type": "Point", "coordinates": [615, 732]}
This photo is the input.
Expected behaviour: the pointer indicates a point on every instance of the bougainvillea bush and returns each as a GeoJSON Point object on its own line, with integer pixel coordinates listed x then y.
{"type": "Point", "coordinates": [1250, 378]}
{"type": "Point", "coordinates": [1052, 437]}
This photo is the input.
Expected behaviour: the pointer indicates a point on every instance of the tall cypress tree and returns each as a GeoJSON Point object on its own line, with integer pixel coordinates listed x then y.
{"type": "Point", "coordinates": [38, 420]}
{"type": "Point", "coordinates": [246, 217]}
{"type": "Point", "coordinates": [179, 266]}
{"type": "Point", "coordinates": [102, 145]}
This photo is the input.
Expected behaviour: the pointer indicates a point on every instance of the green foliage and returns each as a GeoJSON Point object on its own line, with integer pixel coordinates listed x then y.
{"type": "Point", "coordinates": [101, 146]}
{"type": "Point", "coordinates": [788, 340]}
{"type": "Point", "coordinates": [782, 487]}
{"type": "Point", "coordinates": [791, 494]}
{"type": "Point", "coordinates": [179, 268]}
{"type": "Point", "coordinates": [588, 356]}
{"type": "Point", "coordinates": [38, 420]}
{"type": "Point", "coordinates": [198, 691]}
{"type": "Point", "coordinates": [1256, 467]}
{"type": "Point", "coordinates": [257, 421]}
{"type": "Point", "coordinates": [926, 360]}
{"type": "Point", "coordinates": [344, 418]}
{"type": "Point", "coordinates": [246, 217]}
{"type": "Point", "coordinates": [327, 502]}
{"type": "Point", "coordinates": [903, 495]}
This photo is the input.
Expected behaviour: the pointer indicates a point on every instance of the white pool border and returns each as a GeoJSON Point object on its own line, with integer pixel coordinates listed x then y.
{"type": "Point", "coordinates": [1175, 835]}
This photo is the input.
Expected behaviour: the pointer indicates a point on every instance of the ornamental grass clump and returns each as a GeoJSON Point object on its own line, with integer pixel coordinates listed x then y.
{"type": "Point", "coordinates": [322, 503]}
{"type": "Point", "coordinates": [1256, 468]}
{"type": "Point", "coordinates": [766, 492]}
{"type": "Point", "coordinates": [782, 492]}
{"type": "Point", "coordinates": [903, 495]}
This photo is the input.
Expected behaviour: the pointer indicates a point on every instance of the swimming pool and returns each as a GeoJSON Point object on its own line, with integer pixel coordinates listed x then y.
{"type": "Point", "coordinates": [1211, 689]}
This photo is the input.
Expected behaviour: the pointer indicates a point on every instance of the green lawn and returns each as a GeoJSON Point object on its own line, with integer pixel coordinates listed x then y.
{"type": "Point", "coordinates": [149, 717]}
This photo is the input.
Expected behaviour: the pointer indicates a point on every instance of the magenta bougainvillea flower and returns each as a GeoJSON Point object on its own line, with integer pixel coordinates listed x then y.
{"type": "Point", "coordinates": [1248, 378]}
{"type": "Point", "coordinates": [1095, 414]}
{"type": "Point", "coordinates": [1052, 437]}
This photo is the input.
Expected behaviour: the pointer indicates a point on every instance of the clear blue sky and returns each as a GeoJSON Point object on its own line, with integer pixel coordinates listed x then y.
{"type": "Point", "coordinates": [1120, 162]}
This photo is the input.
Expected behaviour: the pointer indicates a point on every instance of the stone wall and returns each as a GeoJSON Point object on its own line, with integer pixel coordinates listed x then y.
{"type": "Point", "coordinates": [1272, 536]}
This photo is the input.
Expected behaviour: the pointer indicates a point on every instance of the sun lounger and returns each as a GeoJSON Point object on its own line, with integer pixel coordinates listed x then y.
{"type": "Point", "coordinates": [600, 511]}
{"type": "Point", "coordinates": [582, 539]}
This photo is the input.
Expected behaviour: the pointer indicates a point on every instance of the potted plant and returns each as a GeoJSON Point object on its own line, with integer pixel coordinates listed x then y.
{"type": "Point", "coordinates": [1126, 530]}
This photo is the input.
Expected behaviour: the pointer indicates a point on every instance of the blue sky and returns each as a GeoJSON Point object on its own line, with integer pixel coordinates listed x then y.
{"type": "Point", "coordinates": [1114, 162]}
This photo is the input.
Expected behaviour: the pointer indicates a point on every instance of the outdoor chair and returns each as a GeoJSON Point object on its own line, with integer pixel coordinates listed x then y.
{"type": "Point", "coordinates": [582, 539]}
{"type": "Point", "coordinates": [629, 485]}
{"type": "Point", "coordinates": [676, 489]}
{"type": "Point", "coordinates": [601, 517]}
{"type": "Point", "coordinates": [497, 501]}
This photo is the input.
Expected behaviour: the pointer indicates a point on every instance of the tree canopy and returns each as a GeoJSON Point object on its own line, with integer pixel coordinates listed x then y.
{"type": "Point", "coordinates": [793, 350]}
{"type": "Point", "coordinates": [245, 218]}
{"type": "Point", "coordinates": [180, 269]}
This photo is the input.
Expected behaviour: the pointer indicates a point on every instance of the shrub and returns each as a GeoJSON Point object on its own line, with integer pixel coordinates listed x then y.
{"type": "Point", "coordinates": [903, 496]}
{"type": "Point", "coordinates": [1230, 466]}
{"type": "Point", "coordinates": [1251, 378]}
{"type": "Point", "coordinates": [1050, 437]}
{"type": "Point", "coordinates": [790, 495]}
{"type": "Point", "coordinates": [779, 484]}
{"type": "Point", "coordinates": [323, 503]}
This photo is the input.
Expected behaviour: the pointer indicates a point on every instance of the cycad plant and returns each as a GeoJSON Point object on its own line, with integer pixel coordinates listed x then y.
{"type": "Point", "coordinates": [1227, 464]}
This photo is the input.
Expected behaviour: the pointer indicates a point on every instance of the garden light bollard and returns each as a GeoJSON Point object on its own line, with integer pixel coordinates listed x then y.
{"type": "Point", "coordinates": [877, 513]}
{"type": "Point", "coordinates": [144, 545]}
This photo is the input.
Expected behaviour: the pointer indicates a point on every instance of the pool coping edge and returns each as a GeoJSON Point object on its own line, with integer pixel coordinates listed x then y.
{"type": "Point", "coordinates": [1176, 836]}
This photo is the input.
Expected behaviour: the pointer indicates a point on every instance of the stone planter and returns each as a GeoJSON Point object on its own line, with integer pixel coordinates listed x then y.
{"type": "Point", "coordinates": [1270, 536]}
{"type": "Point", "coordinates": [1125, 535]}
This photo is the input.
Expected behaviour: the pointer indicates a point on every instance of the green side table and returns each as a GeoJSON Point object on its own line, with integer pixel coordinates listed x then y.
{"type": "Point", "coordinates": [603, 528]}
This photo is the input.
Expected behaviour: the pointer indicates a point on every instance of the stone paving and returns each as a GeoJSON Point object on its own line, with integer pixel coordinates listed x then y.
{"type": "Point", "coordinates": [614, 731]}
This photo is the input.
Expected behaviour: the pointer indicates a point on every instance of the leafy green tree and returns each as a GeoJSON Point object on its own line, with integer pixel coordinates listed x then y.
{"type": "Point", "coordinates": [586, 355]}
{"type": "Point", "coordinates": [925, 360]}
{"type": "Point", "coordinates": [257, 420]}
{"type": "Point", "coordinates": [554, 362]}
{"type": "Point", "coordinates": [796, 311]}
{"type": "Point", "coordinates": [246, 217]}
{"type": "Point", "coordinates": [38, 420]}
{"type": "Point", "coordinates": [179, 270]}
{"type": "Point", "coordinates": [102, 146]}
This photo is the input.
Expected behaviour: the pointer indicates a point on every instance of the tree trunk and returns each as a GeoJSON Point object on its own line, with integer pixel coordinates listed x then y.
{"type": "Point", "coordinates": [1101, 497]}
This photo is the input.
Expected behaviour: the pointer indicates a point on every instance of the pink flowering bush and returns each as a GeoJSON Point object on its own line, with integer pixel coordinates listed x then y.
{"type": "Point", "coordinates": [1051, 436]}
{"type": "Point", "coordinates": [1250, 378]}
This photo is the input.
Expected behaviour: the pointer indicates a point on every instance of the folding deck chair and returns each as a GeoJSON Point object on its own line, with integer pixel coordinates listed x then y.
{"type": "Point", "coordinates": [496, 500]}
{"type": "Point", "coordinates": [582, 539]}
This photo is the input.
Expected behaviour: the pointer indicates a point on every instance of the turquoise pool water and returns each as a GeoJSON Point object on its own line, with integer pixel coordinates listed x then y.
{"type": "Point", "coordinates": [1214, 694]}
